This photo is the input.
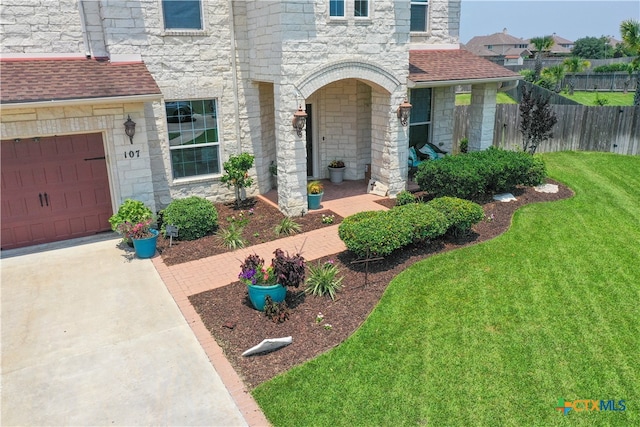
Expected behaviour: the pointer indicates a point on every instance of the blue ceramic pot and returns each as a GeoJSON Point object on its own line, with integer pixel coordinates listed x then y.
{"type": "Point", "coordinates": [146, 248]}
{"type": "Point", "coordinates": [257, 294]}
{"type": "Point", "coordinates": [314, 200]}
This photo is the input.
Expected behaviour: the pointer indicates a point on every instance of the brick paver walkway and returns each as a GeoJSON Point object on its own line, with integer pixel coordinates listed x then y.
{"type": "Point", "coordinates": [184, 280]}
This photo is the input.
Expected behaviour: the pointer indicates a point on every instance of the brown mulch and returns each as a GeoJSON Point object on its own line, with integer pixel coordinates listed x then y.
{"type": "Point", "coordinates": [236, 326]}
{"type": "Point", "coordinates": [263, 217]}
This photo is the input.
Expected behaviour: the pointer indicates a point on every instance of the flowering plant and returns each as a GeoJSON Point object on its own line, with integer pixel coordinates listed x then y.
{"type": "Point", "coordinates": [138, 230]}
{"type": "Point", "coordinates": [336, 164]}
{"type": "Point", "coordinates": [284, 269]}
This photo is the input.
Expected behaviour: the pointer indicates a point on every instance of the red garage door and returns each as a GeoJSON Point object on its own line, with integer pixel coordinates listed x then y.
{"type": "Point", "coordinates": [53, 189]}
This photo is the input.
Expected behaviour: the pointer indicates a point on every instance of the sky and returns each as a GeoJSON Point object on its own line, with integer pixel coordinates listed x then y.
{"type": "Point", "coordinates": [526, 19]}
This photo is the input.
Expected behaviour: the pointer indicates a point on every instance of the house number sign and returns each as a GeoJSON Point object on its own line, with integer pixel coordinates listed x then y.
{"type": "Point", "coordinates": [131, 154]}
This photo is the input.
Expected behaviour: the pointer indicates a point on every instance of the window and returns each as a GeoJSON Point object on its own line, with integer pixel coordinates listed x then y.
{"type": "Point", "coordinates": [361, 8]}
{"type": "Point", "coordinates": [182, 14]}
{"type": "Point", "coordinates": [336, 8]}
{"type": "Point", "coordinates": [419, 10]}
{"type": "Point", "coordinates": [420, 121]}
{"type": "Point", "coordinates": [193, 137]}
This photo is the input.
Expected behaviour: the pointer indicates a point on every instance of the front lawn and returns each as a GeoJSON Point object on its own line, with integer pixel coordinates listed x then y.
{"type": "Point", "coordinates": [502, 98]}
{"type": "Point", "coordinates": [495, 334]}
{"type": "Point", "coordinates": [610, 98]}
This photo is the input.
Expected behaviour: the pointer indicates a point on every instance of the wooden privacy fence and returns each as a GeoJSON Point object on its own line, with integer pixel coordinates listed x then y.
{"type": "Point", "coordinates": [579, 128]}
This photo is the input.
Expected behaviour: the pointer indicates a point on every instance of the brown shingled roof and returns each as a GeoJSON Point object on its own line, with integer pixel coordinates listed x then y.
{"type": "Point", "coordinates": [455, 64]}
{"type": "Point", "coordinates": [36, 80]}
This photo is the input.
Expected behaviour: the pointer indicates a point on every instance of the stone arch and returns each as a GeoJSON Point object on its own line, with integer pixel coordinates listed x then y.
{"type": "Point", "coordinates": [347, 69]}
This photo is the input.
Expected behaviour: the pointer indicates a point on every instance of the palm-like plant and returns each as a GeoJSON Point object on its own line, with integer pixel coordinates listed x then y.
{"type": "Point", "coordinates": [540, 46]}
{"type": "Point", "coordinates": [575, 65]}
{"type": "Point", "coordinates": [555, 74]}
{"type": "Point", "coordinates": [630, 32]}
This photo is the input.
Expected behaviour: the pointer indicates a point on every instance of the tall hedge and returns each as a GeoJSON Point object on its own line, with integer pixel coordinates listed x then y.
{"type": "Point", "coordinates": [472, 175]}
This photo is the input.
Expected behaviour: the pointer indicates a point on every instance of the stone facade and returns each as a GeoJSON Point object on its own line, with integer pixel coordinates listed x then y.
{"type": "Point", "coordinates": [259, 60]}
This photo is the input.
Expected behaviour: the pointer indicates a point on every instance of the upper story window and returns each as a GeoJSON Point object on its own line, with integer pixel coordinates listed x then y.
{"type": "Point", "coordinates": [194, 141]}
{"type": "Point", "coordinates": [182, 14]}
{"type": "Point", "coordinates": [361, 8]}
{"type": "Point", "coordinates": [336, 8]}
{"type": "Point", "coordinates": [419, 14]}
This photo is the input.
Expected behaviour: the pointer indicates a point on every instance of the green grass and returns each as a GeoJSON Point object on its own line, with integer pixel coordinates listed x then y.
{"type": "Point", "coordinates": [496, 333]}
{"type": "Point", "coordinates": [613, 98]}
{"type": "Point", "coordinates": [502, 98]}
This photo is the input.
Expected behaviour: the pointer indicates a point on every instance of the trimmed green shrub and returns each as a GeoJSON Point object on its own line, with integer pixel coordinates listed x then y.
{"type": "Point", "coordinates": [404, 198]}
{"type": "Point", "coordinates": [194, 216]}
{"type": "Point", "coordinates": [481, 172]}
{"type": "Point", "coordinates": [460, 214]}
{"type": "Point", "coordinates": [375, 233]}
{"type": "Point", "coordinates": [427, 222]}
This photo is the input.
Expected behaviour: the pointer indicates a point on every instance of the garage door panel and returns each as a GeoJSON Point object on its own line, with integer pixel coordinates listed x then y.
{"type": "Point", "coordinates": [77, 191]}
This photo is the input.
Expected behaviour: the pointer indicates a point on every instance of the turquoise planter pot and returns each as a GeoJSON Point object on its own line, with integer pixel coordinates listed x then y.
{"type": "Point", "coordinates": [314, 200]}
{"type": "Point", "coordinates": [146, 248]}
{"type": "Point", "coordinates": [257, 294]}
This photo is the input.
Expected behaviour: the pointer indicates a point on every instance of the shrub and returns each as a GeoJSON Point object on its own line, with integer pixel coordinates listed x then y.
{"type": "Point", "coordinates": [278, 312]}
{"type": "Point", "coordinates": [428, 223]}
{"type": "Point", "coordinates": [404, 198]}
{"type": "Point", "coordinates": [460, 214]}
{"type": "Point", "coordinates": [322, 279]}
{"type": "Point", "coordinates": [131, 211]}
{"type": "Point", "coordinates": [194, 216]}
{"type": "Point", "coordinates": [375, 233]}
{"type": "Point", "coordinates": [482, 172]}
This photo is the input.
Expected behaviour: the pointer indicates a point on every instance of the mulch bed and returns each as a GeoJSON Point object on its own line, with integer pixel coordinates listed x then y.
{"type": "Point", "coordinates": [263, 217]}
{"type": "Point", "coordinates": [236, 326]}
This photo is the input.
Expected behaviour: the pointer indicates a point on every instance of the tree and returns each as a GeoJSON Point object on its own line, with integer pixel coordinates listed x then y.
{"type": "Point", "coordinates": [554, 76]}
{"type": "Point", "coordinates": [592, 48]}
{"type": "Point", "coordinates": [541, 45]}
{"type": "Point", "coordinates": [537, 120]}
{"type": "Point", "coordinates": [574, 65]}
{"type": "Point", "coordinates": [630, 32]}
{"type": "Point", "coordinates": [237, 173]}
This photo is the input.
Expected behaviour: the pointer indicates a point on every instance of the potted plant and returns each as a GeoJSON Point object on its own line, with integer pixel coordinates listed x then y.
{"type": "Point", "coordinates": [272, 280]}
{"type": "Point", "coordinates": [143, 236]}
{"type": "Point", "coordinates": [131, 211]}
{"type": "Point", "coordinates": [336, 171]}
{"type": "Point", "coordinates": [315, 191]}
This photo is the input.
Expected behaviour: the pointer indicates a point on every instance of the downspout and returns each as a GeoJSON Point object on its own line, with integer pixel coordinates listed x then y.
{"type": "Point", "coordinates": [236, 104]}
{"type": "Point", "coordinates": [85, 35]}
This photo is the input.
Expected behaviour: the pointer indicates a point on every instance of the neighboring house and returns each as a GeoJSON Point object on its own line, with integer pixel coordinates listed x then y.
{"type": "Point", "coordinates": [500, 47]}
{"type": "Point", "coordinates": [207, 79]}
{"type": "Point", "coordinates": [561, 46]}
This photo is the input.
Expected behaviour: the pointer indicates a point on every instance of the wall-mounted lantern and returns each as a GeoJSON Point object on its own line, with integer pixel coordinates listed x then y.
{"type": "Point", "coordinates": [130, 128]}
{"type": "Point", "coordinates": [404, 110]}
{"type": "Point", "coordinates": [299, 120]}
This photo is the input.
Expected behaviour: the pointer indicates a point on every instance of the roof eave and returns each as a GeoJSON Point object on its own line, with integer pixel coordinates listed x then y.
{"type": "Point", "coordinates": [83, 101]}
{"type": "Point", "coordinates": [440, 83]}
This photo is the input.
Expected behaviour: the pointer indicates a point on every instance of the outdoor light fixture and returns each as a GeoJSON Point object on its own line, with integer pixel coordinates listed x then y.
{"type": "Point", "coordinates": [130, 128]}
{"type": "Point", "coordinates": [299, 120]}
{"type": "Point", "coordinates": [403, 112]}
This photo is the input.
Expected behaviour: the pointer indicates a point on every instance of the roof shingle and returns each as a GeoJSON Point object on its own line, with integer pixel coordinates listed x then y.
{"type": "Point", "coordinates": [37, 80]}
{"type": "Point", "coordinates": [456, 64]}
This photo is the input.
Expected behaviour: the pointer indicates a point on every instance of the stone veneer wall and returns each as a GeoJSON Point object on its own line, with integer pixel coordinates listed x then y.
{"type": "Point", "coordinates": [444, 104]}
{"type": "Point", "coordinates": [444, 23]}
{"type": "Point", "coordinates": [482, 112]}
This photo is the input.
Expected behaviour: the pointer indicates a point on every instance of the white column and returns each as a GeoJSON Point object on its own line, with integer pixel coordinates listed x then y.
{"type": "Point", "coordinates": [482, 116]}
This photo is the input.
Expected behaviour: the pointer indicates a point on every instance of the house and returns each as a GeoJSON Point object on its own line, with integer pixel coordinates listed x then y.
{"type": "Point", "coordinates": [105, 100]}
{"type": "Point", "coordinates": [500, 47]}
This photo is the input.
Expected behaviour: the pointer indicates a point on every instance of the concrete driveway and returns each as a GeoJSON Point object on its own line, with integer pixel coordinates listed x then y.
{"type": "Point", "coordinates": [91, 336]}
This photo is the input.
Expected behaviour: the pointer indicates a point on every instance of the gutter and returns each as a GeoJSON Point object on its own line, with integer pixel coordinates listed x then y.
{"type": "Point", "coordinates": [83, 101]}
{"type": "Point", "coordinates": [417, 85]}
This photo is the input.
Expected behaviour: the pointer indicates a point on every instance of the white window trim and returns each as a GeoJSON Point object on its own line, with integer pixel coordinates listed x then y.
{"type": "Point", "coordinates": [427, 18]}
{"type": "Point", "coordinates": [184, 31]}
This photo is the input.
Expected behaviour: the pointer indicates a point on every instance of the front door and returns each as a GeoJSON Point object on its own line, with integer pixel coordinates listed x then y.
{"type": "Point", "coordinates": [53, 188]}
{"type": "Point", "coordinates": [310, 158]}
